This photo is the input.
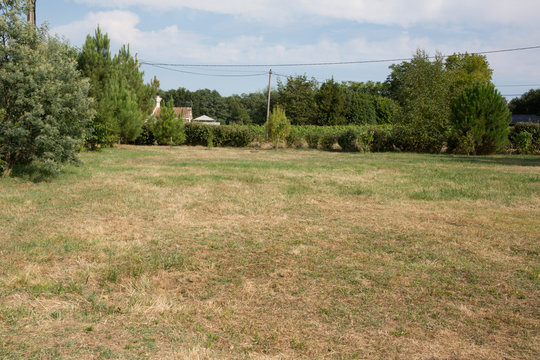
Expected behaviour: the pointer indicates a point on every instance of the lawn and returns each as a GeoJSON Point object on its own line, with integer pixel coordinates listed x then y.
{"type": "Point", "coordinates": [197, 253]}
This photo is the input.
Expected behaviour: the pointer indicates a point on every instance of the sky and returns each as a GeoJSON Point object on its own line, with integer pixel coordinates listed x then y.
{"type": "Point", "coordinates": [276, 32]}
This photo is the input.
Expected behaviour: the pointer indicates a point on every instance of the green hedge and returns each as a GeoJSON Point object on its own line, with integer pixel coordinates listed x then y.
{"type": "Point", "coordinates": [524, 137]}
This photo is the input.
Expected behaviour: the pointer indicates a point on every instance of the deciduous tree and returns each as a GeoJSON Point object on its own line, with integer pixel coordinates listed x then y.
{"type": "Point", "coordinates": [44, 104]}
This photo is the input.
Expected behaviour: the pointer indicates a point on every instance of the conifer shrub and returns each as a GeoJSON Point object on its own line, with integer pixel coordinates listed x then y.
{"type": "Point", "coordinates": [480, 119]}
{"type": "Point", "coordinates": [146, 137]}
{"type": "Point", "coordinates": [168, 128]}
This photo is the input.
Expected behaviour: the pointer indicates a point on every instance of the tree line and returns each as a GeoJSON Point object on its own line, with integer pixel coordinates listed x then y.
{"type": "Point", "coordinates": [56, 99]}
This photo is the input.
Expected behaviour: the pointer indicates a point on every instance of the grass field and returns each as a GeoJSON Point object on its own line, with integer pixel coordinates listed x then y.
{"type": "Point", "coordinates": [196, 253]}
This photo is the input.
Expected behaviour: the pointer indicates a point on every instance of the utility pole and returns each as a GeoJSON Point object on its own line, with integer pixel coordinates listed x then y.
{"type": "Point", "coordinates": [268, 106]}
{"type": "Point", "coordinates": [32, 12]}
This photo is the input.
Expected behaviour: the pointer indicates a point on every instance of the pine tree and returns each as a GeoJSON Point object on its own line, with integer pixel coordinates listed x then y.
{"type": "Point", "coordinates": [480, 119]}
{"type": "Point", "coordinates": [168, 127]}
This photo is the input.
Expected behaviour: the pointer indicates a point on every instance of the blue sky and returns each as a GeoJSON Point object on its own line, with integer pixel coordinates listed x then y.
{"type": "Point", "coordinates": [303, 31]}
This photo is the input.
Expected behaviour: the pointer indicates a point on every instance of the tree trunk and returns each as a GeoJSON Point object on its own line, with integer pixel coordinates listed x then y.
{"type": "Point", "coordinates": [7, 172]}
{"type": "Point", "coordinates": [32, 12]}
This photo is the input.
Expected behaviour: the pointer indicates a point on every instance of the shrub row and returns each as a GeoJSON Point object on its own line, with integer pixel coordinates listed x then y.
{"type": "Point", "coordinates": [207, 135]}
{"type": "Point", "coordinates": [524, 137]}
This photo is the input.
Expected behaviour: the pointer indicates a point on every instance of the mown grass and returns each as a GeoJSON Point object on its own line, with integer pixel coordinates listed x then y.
{"type": "Point", "coordinates": [194, 253]}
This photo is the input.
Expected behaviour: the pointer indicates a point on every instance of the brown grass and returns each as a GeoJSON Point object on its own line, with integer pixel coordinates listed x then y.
{"type": "Point", "coordinates": [195, 253]}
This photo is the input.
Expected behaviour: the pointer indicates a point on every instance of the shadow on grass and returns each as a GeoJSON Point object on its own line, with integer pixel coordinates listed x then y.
{"type": "Point", "coordinates": [33, 173]}
{"type": "Point", "coordinates": [516, 160]}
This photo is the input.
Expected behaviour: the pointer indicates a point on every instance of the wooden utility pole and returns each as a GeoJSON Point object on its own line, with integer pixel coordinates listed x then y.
{"type": "Point", "coordinates": [268, 105]}
{"type": "Point", "coordinates": [32, 12]}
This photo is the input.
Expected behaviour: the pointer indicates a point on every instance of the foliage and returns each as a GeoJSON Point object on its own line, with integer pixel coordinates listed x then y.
{"type": "Point", "coordinates": [360, 108]}
{"type": "Point", "coordinates": [328, 140]}
{"type": "Point", "coordinates": [421, 87]}
{"type": "Point", "coordinates": [235, 136]}
{"type": "Point", "coordinates": [466, 69]}
{"type": "Point", "coordinates": [481, 117]}
{"type": "Point", "coordinates": [238, 113]}
{"type": "Point", "coordinates": [278, 126]}
{"type": "Point", "coordinates": [146, 137]}
{"type": "Point", "coordinates": [348, 140]}
{"type": "Point", "coordinates": [95, 63]}
{"type": "Point", "coordinates": [519, 141]}
{"type": "Point", "coordinates": [199, 134]}
{"type": "Point", "coordinates": [44, 104]}
{"type": "Point", "coordinates": [122, 98]}
{"type": "Point", "coordinates": [523, 142]}
{"type": "Point", "coordinates": [168, 127]}
{"type": "Point", "coordinates": [528, 103]}
{"type": "Point", "coordinates": [297, 97]}
{"type": "Point", "coordinates": [382, 138]}
{"type": "Point", "coordinates": [296, 137]}
{"type": "Point", "coordinates": [313, 138]}
{"type": "Point", "coordinates": [386, 110]}
{"type": "Point", "coordinates": [331, 100]}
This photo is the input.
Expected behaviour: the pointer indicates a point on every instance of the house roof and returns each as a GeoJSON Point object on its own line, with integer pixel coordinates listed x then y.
{"type": "Point", "coordinates": [526, 118]}
{"type": "Point", "coordinates": [206, 120]}
{"type": "Point", "coordinates": [186, 112]}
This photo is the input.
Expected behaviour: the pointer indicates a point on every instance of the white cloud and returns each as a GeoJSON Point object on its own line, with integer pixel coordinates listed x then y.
{"type": "Point", "coordinates": [384, 12]}
{"type": "Point", "coordinates": [175, 45]}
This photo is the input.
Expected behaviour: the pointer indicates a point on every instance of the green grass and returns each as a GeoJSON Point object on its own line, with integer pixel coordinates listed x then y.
{"type": "Point", "coordinates": [182, 252]}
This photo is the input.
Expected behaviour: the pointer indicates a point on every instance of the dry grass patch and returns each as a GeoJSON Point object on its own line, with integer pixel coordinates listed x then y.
{"type": "Point", "coordinates": [195, 253]}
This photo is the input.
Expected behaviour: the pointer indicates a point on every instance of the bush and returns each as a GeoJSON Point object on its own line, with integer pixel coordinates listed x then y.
{"type": "Point", "coordinates": [146, 137]}
{"type": "Point", "coordinates": [233, 135]}
{"type": "Point", "coordinates": [348, 140]}
{"type": "Point", "coordinates": [278, 126]}
{"type": "Point", "coordinates": [328, 141]}
{"type": "Point", "coordinates": [221, 135]}
{"type": "Point", "coordinates": [242, 137]}
{"type": "Point", "coordinates": [199, 134]}
{"type": "Point", "coordinates": [523, 142]}
{"type": "Point", "coordinates": [530, 128]}
{"type": "Point", "coordinates": [296, 137]}
{"type": "Point", "coordinates": [481, 116]}
{"type": "Point", "coordinates": [382, 137]}
{"type": "Point", "coordinates": [313, 138]}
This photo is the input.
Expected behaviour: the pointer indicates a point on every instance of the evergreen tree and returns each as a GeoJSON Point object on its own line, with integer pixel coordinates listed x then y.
{"type": "Point", "coordinates": [122, 98]}
{"type": "Point", "coordinates": [95, 63]}
{"type": "Point", "coordinates": [480, 119]}
{"type": "Point", "coordinates": [330, 101]}
{"type": "Point", "coordinates": [168, 127]}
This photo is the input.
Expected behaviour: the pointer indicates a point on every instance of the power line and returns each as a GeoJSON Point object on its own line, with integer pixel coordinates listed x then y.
{"type": "Point", "coordinates": [355, 62]}
{"type": "Point", "coordinates": [517, 85]}
{"type": "Point", "coordinates": [203, 74]}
